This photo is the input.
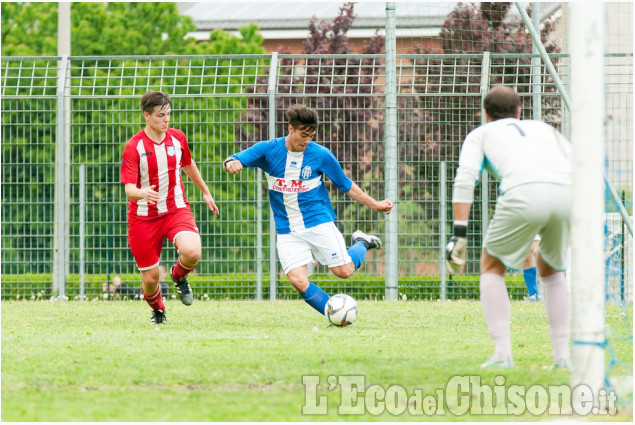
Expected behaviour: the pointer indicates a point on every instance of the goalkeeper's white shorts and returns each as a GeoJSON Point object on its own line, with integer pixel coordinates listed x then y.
{"type": "Point", "coordinates": [325, 241]}
{"type": "Point", "coordinates": [524, 212]}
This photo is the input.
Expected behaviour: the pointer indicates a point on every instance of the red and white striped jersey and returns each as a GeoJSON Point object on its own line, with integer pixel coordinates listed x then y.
{"type": "Point", "coordinates": [146, 163]}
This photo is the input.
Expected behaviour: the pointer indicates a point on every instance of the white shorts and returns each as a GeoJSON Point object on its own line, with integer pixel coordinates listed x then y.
{"type": "Point", "coordinates": [325, 241]}
{"type": "Point", "coordinates": [524, 212]}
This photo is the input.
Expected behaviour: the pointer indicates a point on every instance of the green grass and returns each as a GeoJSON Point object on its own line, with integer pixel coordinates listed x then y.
{"type": "Point", "coordinates": [244, 360]}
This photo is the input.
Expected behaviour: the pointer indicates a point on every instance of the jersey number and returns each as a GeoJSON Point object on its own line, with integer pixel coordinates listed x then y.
{"type": "Point", "coordinates": [517, 127]}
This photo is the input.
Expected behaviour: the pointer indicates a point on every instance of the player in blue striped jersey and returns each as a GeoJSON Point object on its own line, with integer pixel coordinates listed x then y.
{"type": "Point", "coordinates": [295, 168]}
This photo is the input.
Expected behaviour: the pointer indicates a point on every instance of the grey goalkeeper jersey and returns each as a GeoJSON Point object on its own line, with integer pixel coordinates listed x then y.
{"type": "Point", "coordinates": [516, 152]}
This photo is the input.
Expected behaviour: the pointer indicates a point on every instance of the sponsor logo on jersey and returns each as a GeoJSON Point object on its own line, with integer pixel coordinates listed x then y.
{"type": "Point", "coordinates": [306, 172]}
{"type": "Point", "coordinates": [289, 186]}
{"type": "Point", "coordinates": [146, 154]}
{"type": "Point", "coordinates": [293, 164]}
{"type": "Point", "coordinates": [171, 151]}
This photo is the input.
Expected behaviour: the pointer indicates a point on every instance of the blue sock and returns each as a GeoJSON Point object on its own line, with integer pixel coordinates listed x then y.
{"type": "Point", "coordinates": [358, 253]}
{"type": "Point", "coordinates": [530, 281]}
{"type": "Point", "coordinates": [315, 297]}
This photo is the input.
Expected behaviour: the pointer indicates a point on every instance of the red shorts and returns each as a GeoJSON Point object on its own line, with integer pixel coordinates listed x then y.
{"type": "Point", "coordinates": [146, 235]}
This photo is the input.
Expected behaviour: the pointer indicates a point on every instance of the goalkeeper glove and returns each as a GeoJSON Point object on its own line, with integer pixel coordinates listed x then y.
{"type": "Point", "coordinates": [456, 250]}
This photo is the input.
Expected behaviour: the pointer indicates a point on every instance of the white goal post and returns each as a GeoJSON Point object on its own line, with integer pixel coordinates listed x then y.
{"type": "Point", "coordinates": [586, 45]}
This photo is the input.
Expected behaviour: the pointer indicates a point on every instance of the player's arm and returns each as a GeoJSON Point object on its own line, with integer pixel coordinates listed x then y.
{"type": "Point", "coordinates": [471, 163]}
{"type": "Point", "coordinates": [363, 198]}
{"type": "Point", "coordinates": [254, 156]}
{"type": "Point", "coordinates": [191, 170]}
{"type": "Point", "coordinates": [332, 168]}
{"type": "Point", "coordinates": [130, 175]}
{"type": "Point", "coordinates": [147, 193]}
{"type": "Point", "coordinates": [232, 165]}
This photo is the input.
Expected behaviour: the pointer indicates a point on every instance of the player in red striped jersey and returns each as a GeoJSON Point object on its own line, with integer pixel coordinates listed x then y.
{"type": "Point", "coordinates": [158, 209]}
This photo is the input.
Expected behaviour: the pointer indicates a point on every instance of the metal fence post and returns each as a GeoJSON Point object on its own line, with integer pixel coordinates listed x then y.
{"type": "Point", "coordinates": [392, 193]}
{"type": "Point", "coordinates": [259, 253]}
{"type": "Point", "coordinates": [59, 245]}
{"type": "Point", "coordinates": [442, 227]}
{"type": "Point", "coordinates": [82, 223]}
{"type": "Point", "coordinates": [273, 261]}
{"type": "Point", "coordinates": [535, 69]}
{"type": "Point", "coordinates": [485, 71]}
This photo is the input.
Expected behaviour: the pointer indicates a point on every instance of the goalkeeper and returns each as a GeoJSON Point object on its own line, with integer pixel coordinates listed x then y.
{"type": "Point", "coordinates": [295, 168]}
{"type": "Point", "coordinates": [532, 161]}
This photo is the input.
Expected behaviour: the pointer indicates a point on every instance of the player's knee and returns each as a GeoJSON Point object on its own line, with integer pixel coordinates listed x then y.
{"type": "Point", "coordinates": [190, 254]}
{"type": "Point", "coordinates": [344, 272]}
{"type": "Point", "coordinates": [544, 269]}
{"type": "Point", "coordinates": [150, 281]}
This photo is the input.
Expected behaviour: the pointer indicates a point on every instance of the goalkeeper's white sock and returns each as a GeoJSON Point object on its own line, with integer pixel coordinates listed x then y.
{"type": "Point", "coordinates": [558, 306]}
{"type": "Point", "coordinates": [497, 311]}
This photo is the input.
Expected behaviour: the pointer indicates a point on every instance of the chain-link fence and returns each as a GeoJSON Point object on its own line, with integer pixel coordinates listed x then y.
{"type": "Point", "coordinates": [65, 122]}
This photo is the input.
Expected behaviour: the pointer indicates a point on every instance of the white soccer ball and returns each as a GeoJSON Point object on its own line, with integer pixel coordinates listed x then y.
{"type": "Point", "coordinates": [341, 310]}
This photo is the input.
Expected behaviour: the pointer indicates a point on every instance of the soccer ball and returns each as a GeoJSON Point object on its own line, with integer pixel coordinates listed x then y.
{"type": "Point", "coordinates": [341, 310]}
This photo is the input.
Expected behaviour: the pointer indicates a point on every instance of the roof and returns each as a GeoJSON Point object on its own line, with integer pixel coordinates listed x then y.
{"type": "Point", "coordinates": [293, 15]}
{"type": "Point", "coordinates": [292, 18]}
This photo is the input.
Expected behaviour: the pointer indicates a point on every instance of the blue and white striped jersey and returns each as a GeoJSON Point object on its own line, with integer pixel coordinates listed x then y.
{"type": "Point", "coordinates": [297, 192]}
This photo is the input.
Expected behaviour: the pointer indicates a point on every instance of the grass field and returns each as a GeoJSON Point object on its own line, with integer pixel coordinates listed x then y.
{"type": "Point", "coordinates": [244, 361]}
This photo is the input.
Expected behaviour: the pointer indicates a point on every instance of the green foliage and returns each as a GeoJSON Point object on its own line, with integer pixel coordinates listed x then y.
{"type": "Point", "coordinates": [105, 114]}
{"type": "Point", "coordinates": [241, 285]}
{"type": "Point", "coordinates": [29, 29]}
{"type": "Point", "coordinates": [113, 28]}
{"type": "Point", "coordinates": [116, 28]}
{"type": "Point", "coordinates": [221, 42]}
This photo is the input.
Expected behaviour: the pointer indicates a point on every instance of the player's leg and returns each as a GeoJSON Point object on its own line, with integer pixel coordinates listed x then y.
{"type": "Point", "coordinates": [558, 309]}
{"type": "Point", "coordinates": [295, 254]}
{"type": "Point", "coordinates": [310, 292]}
{"type": "Point", "coordinates": [496, 309]}
{"type": "Point", "coordinates": [146, 242]}
{"type": "Point", "coordinates": [508, 239]}
{"type": "Point", "coordinates": [330, 248]}
{"type": "Point", "coordinates": [188, 245]}
{"type": "Point", "coordinates": [182, 231]}
{"type": "Point", "coordinates": [361, 244]}
{"type": "Point", "coordinates": [552, 261]}
{"type": "Point", "coordinates": [152, 294]}
{"type": "Point", "coordinates": [530, 273]}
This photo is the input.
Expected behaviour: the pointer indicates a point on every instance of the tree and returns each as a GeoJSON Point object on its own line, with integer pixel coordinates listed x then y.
{"type": "Point", "coordinates": [472, 29]}
{"type": "Point", "coordinates": [112, 28]}
{"type": "Point", "coordinates": [348, 124]}
{"type": "Point", "coordinates": [447, 104]}
{"type": "Point", "coordinates": [102, 124]}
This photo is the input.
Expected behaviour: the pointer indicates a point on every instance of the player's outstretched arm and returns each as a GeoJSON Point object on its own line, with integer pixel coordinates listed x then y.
{"type": "Point", "coordinates": [363, 198]}
{"type": "Point", "coordinates": [232, 166]}
{"type": "Point", "coordinates": [195, 175]}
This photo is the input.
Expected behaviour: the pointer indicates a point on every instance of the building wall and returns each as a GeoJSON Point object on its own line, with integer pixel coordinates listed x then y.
{"type": "Point", "coordinates": [404, 44]}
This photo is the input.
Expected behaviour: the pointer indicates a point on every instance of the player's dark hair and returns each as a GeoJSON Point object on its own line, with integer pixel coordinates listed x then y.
{"type": "Point", "coordinates": [501, 102]}
{"type": "Point", "coordinates": [301, 116]}
{"type": "Point", "coordinates": [153, 99]}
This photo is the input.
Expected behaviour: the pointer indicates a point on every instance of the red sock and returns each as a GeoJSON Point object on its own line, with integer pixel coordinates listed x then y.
{"type": "Point", "coordinates": [179, 271]}
{"type": "Point", "coordinates": [154, 301]}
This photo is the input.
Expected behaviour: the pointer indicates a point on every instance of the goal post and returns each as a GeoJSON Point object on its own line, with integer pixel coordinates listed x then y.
{"type": "Point", "coordinates": [586, 46]}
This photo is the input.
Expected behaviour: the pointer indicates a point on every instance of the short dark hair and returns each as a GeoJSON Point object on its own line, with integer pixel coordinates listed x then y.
{"type": "Point", "coordinates": [153, 99]}
{"type": "Point", "coordinates": [501, 102]}
{"type": "Point", "coordinates": [299, 115]}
